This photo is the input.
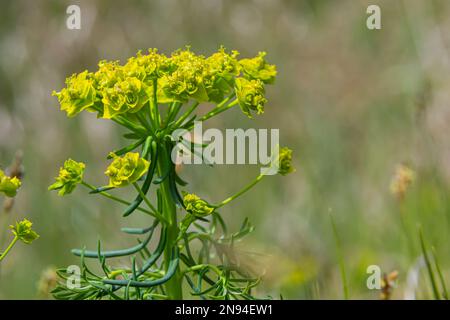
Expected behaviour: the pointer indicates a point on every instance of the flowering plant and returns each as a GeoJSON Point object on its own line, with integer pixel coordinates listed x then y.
{"type": "Point", "coordinates": [21, 230]}
{"type": "Point", "coordinates": [152, 95]}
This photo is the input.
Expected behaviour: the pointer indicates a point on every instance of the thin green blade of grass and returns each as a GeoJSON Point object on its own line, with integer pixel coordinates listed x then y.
{"type": "Point", "coordinates": [441, 276]}
{"type": "Point", "coordinates": [429, 267]}
{"type": "Point", "coordinates": [340, 259]}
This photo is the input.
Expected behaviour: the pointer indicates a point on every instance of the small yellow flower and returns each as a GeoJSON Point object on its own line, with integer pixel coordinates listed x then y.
{"type": "Point", "coordinates": [148, 66]}
{"type": "Point", "coordinates": [70, 175]}
{"type": "Point", "coordinates": [22, 230]}
{"type": "Point", "coordinates": [402, 180]}
{"type": "Point", "coordinates": [128, 95]}
{"type": "Point", "coordinates": [109, 72]}
{"type": "Point", "coordinates": [250, 95]}
{"type": "Point", "coordinates": [186, 80]}
{"type": "Point", "coordinates": [9, 185]}
{"type": "Point", "coordinates": [258, 68]}
{"type": "Point", "coordinates": [196, 206]}
{"type": "Point", "coordinates": [221, 70]}
{"type": "Point", "coordinates": [126, 170]}
{"type": "Point", "coordinates": [285, 161]}
{"type": "Point", "coordinates": [78, 95]}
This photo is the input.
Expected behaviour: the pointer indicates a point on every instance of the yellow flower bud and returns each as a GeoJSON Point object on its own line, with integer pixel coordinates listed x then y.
{"type": "Point", "coordinates": [196, 206]}
{"type": "Point", "coordinates": [8, 185]}
{"type": "Point", "coordinates": [70, 175]}
{"type": "Point", "coordinates": [23, 231]}
{"type": "Point", "coordinates": [285, 161]}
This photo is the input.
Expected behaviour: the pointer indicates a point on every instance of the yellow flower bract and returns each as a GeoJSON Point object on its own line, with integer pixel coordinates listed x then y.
{"type": "Point", "coordinates": [126, 170]}
{"type": "Point", "coordinates": [9, 185]}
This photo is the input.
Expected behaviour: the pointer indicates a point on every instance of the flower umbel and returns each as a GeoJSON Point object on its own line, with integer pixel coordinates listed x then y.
{"type": "Point", "coordinates": [9, 185]}
{"type": "Point", "coordinates": [126, 170]}
{"type": "Point", "coordinates": [22, 230]}
{"type": "Point", "coordinates": [70, 175]}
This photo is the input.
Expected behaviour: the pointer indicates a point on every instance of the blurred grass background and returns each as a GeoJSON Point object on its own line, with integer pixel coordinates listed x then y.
{"type": "Point", "coordinates": [352, 104]}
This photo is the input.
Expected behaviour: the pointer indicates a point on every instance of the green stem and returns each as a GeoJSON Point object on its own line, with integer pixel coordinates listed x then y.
{"type": "Point", "coordinates": [110, 196]}
{"type": "Point", "coordinates": [248, 187]}
{"type": "Point", "coordinates": [441, 276]}
{"type": "Point", "coordinates": [144, 122]}
{"type": "Point", "coordinates": [186, 115]}
{"type": "Point", "coordinates": [155, 212]}
{"type": "Point", "coordinates": [173, 111]}
{"type": "Point", "coordinates": [13, 242]}
{"type": "Point", "coordinates": [130, 125]}
{"type": "Point", "coordinates": [154, 105]}
{"type": "Point", "coordinates": [340, 259]}
{"type": "Point", "coordinates": [202, 266]}
{"type": "Point", "coordinates": [218, 110]}
{"type": "Point", "coordinates": [173, 285]}
{"type": "Point", "coordinates": [434, 286]}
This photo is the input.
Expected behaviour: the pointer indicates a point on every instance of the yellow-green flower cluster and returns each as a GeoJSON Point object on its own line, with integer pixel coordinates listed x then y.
{"type": "Point", "coordinates": [196, 206]}
{"type": "Point", "coordinates": [148, 67]}
{"type": "Point", "coordinates": [250, 95]}
{"type": "Point", "coordinates": [258, 68]}
{"type": "Point", "coordinates": [22, 230]}
{"type": "Point", "coordinates": [70, 175]}
{"type": "Point", "coordinates": [8, 185]}
{"type": "Point", "coordinates": [221, 70]}
{"type": "Point", "coordinates": [127, 95]}
{"type": "Point", "coordinates": [116, 89]}
{"type": "Point", "coordinates": [126, 170]}
{"type": "Point", "coordinates": [186, 81]}
{"type": "Point", "coordinates": [285, 161]}
{"type": "Point", "coordinates": [78, 95]}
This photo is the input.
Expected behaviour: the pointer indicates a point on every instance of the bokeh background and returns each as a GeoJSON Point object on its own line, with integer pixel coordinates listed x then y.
{"type": "Point", "coordinates": [352, 104]}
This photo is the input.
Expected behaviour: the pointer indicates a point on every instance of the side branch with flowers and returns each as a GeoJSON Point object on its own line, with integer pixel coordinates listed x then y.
{"type": "Point", "coordinates": [152, 95]}
{"type": "Point", "coordinates": [21, 230]}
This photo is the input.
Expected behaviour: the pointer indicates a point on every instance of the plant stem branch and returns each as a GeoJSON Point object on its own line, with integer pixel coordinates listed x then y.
{"type": "Point", "coordinates": [155, 212]}
{"type": "Point", "coordinates": [154, 105]}
{"type": "Point", "coordinates": [173, 285]}
{"type": "Point", "coordinates": [186, 114]}
{"type": "Point", "coordinates": [244, 190]}
{"type": "Point", "coordinates": [218, 110]}
{"type": "Point", "coordinates": [13, 242]}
